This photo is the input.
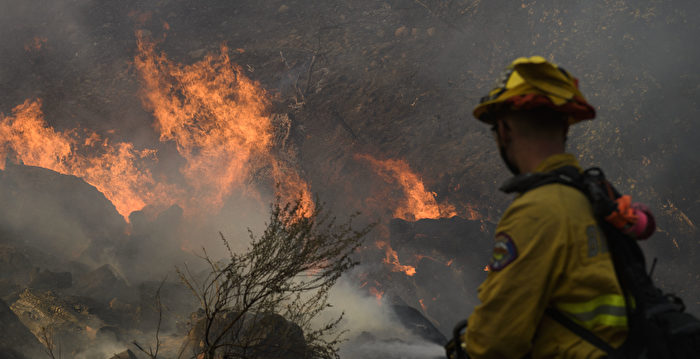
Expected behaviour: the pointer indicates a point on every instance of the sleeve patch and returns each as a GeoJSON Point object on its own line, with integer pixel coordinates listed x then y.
{"type": "Point", "coordinates": [504, 252]}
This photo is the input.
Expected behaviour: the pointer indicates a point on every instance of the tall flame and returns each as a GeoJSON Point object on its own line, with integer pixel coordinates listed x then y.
{"type": "Point", "coordinates": [418, 203]}
{"type": "Point", "coordinates": [116, 170]}
{"type": "Point", "coordinates": [217, 118]}
{"type": "Point", "coordinates": [213, 113]}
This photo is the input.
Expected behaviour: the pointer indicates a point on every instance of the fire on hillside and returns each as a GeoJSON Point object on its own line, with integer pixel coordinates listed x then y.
{"type": "Point", "coordinates": [229, 143]}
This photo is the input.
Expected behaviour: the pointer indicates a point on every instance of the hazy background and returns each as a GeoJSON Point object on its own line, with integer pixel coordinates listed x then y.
{"type": "Point", "coordinates": [395, 79]}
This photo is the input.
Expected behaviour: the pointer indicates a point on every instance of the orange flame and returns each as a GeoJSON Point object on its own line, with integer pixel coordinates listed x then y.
{"type": "Point", "coordinates": [419, 203]}
{"type": "Point", "coordinates": [392, 259]}
{"type": "Point", "coordinates": [377, 294]}
{"type": "Point", "coordinates": [36, 44]}
{"type": "Point", "coordinates": [210, 110]}
{"type": "Point", "coordinates": [91, 332]}
{"type": "Point", "coordinates": [212, 113]}
{"type": "Point", "coordinates": [113, 169]}
{"type": "Point", "coordinates": [419, 257]}
{"type": "Point", "coordinates": [472, 213]}
{"type": "Point", "coordinates": [218, 119]}
{"type": "Point", "coordinates": [422, 305]}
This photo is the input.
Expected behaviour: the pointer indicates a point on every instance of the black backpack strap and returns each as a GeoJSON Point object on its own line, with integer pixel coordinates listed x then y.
{"type": "Point", "coordinates": [582, 332]}
{"type": "Point", "coordinates": [568, 175]}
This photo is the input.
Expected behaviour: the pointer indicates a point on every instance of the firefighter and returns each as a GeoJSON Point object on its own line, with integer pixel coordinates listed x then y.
{"type": "Point", "coordinates": [548, 250]}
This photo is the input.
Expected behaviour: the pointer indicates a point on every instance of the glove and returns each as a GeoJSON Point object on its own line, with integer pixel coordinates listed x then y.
{"type": "Point", "coordinates": [456, 348]}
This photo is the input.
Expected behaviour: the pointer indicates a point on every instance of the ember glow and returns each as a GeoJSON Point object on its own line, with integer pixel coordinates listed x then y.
{"type": "Point", "coordinates": [36, 44]}
{"type": "Point", "coordinates": [472, 213]}
{"type": "Point", "coordinates": [392, 259]}
{"type": "Point", "coordinates": [377, 294]}
{"type": "Point", "coordinates": [418, 203]}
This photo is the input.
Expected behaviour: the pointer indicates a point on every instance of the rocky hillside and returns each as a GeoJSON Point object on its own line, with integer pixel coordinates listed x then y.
{"type": "Point", "coordinates": [393, 79]}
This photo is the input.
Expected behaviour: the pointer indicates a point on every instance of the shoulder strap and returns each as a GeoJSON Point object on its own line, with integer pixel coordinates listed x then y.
{"type": "Point", "coordinates": [568, 175]}
{"type": "Point", "coordinates": [582, 332]}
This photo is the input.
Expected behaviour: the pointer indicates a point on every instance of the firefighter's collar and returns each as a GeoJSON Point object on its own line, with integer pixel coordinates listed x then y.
{"type": "Point", "coordinates": [556, 161]}
{"type": "Point", "coordinates": [565, 162]}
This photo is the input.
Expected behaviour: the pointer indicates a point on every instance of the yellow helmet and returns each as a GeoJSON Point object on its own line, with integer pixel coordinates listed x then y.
{"type": "Point", "coordinates": [534, 82]}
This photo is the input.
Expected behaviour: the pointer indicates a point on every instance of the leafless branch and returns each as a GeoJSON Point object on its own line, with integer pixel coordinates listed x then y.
{"type": "Point", "coordinates": [264, 299]}
{"type": "Point", "coordinates": [151, 353]}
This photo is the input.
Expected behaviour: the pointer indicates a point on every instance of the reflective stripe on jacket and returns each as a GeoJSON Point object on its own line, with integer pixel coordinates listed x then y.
{"type": "Point", "coordinates": [603, 310]}
{"type": "Point", "coordinates": [549, 252]}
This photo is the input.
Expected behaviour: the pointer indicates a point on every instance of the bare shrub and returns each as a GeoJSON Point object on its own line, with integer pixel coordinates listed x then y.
{"type": "Point", "coordinates": [261, 303]}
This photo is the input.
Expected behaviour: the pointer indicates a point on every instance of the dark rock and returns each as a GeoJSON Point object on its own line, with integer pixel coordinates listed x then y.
{"type": "Point", "coordinates": [271, 336]}
{"type": "Point", "coordinates": [15, 266]}
{"type": "Point", "coordinates": [104, 284]}
{"type": "Point", "coordinates": [65, 319]}
{"type": "Point", "coordinates": [47, 279]}
{"type": "Point", "coordinates": [449, 255]}
{"type": "Point", "coordinates": [448, 236]}
{"type": "Point", "coordinates": [60, 214]}
{"type": "Point", "coordinates": [152, 240]}
{"type": "Point", "coordinates": [418, 324]}
{"type": "Point", "coordinates": [24, 266]}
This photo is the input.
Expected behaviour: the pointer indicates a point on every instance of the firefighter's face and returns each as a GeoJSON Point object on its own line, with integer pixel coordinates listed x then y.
{"type": "Point", "coordinates": [504, 136]}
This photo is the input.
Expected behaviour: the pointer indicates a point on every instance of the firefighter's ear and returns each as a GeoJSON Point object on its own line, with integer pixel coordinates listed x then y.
{"type": "Point", "coordinates": [505, 134]}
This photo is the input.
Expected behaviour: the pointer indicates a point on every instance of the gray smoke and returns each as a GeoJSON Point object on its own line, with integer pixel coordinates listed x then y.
{"type": "Point", "coordinates": [396, 79]}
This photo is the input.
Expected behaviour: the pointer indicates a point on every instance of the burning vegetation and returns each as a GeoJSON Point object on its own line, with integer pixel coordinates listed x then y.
{"type": "Point", "coordinates": [415, 202]}
{"type": "Point", "coordinates": [131, 134]}
{"type": "Point", "coordinates": [220, 123]}
{"type": "Point", "coordinates": [116, 170]}
{"type": "Point", "coordinates": [216, 116]}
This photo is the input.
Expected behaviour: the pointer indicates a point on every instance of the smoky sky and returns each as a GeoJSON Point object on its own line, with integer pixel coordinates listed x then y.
{"type": "Point", "coordinates": [397, 78]}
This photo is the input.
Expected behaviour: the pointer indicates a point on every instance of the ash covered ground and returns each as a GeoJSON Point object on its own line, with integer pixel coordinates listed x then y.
{"type": "Point", "coordinates": [368, 99]}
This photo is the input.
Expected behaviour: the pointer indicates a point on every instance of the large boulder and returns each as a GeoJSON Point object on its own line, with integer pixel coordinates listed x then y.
{"type": "Point", "coordinates": [264, 336]}
{"type": "Point", "coordinates": [58, 213]}
{"type": "Point", "coordinates": [65, 319]}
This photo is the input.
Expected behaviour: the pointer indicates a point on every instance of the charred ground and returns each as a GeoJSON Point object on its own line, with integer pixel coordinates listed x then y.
{"type": "Point", "coordinates": [393, 79]}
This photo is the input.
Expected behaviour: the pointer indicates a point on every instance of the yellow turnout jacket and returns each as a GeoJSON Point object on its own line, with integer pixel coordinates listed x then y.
{"type": "Point", "coordinates": [548, 252]}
